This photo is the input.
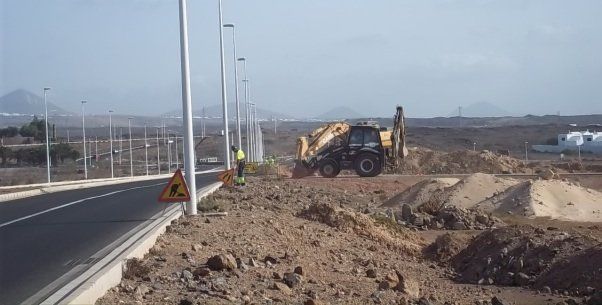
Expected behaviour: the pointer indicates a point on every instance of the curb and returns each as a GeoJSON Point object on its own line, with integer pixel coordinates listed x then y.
{"type": "Point", "coordinates": [107, 272]}
{"type": "Point", "coordinates": [73, 185]}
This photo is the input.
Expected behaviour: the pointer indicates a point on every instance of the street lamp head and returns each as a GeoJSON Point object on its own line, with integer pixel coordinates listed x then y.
{"type": "Point", "coordinates": [110, 111]}
{"type": "Point", "coordinates": [229, 25]}
{"type": "Point", "coordinates": [46, 88]}
{"type": "Point", "coordinates": [83, 102]}
{"type": "Point", "coordinates": [242, 59]}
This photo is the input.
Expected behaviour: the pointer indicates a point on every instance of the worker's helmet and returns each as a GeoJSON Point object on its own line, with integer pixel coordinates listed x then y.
{"type": "Point", "coordinates": [234, 149]}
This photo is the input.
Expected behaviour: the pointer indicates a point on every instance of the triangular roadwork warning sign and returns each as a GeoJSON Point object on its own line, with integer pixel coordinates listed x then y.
{"type": "Point", "coordinates": [176, 190]}
{"type": "Point", "coordinates": [227, 177]}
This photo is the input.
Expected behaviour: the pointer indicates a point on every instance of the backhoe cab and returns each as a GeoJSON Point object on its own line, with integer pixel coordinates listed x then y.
{"type": "Point", "coordinates": [364, 148]}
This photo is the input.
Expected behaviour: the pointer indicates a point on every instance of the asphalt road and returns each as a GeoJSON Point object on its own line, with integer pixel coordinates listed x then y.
{"type": "Point", "coordinates": [39, 249]}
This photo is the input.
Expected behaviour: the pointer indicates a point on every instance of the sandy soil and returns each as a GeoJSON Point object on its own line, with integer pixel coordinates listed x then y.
{"type": "Point", "coordinates": [325, 241]}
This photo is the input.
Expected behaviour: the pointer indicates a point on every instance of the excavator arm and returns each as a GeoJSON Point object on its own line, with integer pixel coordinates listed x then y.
{"type": "Point", "coordinates": [308, 147]}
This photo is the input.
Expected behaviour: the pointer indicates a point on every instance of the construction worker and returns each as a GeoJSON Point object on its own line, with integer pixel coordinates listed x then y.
{"type": "Point", "coordinates": [240, 166]}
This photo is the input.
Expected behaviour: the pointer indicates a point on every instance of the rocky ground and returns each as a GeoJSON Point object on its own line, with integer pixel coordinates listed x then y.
{"type": "Point", "coordinates": [329, 241]}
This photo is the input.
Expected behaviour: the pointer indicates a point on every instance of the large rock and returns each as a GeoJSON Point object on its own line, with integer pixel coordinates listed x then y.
{"type": "Point", "coordinates": [498, 301]}
{"type": "Point", "coordinates": [222, 262]}
{"type": "Point", "coordinates": [282, 287]}
{"type": "Point", "coordinates": [407, 285]}
{"type": "Point", "coordinates": [292, 279]}
{"type": "Point", "coordinates": [406, 212]}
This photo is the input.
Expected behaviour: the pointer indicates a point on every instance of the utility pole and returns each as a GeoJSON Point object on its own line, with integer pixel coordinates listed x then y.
{"type": "Point", "coordinates": [111, 142]}
{"type": "Point", "coordinates": [191, 208]}
{"type": "Point", "coordinates": [47, 140]}
{"type": "Point", "coordinates": [84, 140]}
{"type": "Point", "coordinates": [224, 98]}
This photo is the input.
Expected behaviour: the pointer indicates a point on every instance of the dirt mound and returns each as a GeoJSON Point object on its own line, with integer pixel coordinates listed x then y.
{"type": "Point", "coordinates": [421, 193]}
{"type": "Point", "coordinates": [528, 256]}
{"type": "Point", "coordinates": [464, 193]}
{"type": "Point", "coordinates": [425, 161]}
{"type": "Point", "coordinates": [402, 239]}
{"type": "Point", "coordinates": [555, 199]}
{"type": "Point", "coordinates": [475, 188]}
{"type": "Point", "coordinates": [446, 246]}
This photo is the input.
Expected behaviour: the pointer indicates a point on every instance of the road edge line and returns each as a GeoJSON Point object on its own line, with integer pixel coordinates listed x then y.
{"type": "Point", "coordinates": [95, 282]}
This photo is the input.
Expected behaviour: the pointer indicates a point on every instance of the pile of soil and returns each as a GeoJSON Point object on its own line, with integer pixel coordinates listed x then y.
{"type": "Point", "coordinates": [426, 161]}
{"type": "Point", "coordinates": [475, 188]}
{"type": "Point", "coordinates": [421, 193]}
{"type": "Point", "coordinates": [447, 246]}
{"type": "Point", "coordinates": [403, 240]}
{"type": "Point", "coordinates": [485, 193]}
{"type": "Point", "coordinates": [556, 199]}
{"type": "Point", "coordinates": [549, 260]}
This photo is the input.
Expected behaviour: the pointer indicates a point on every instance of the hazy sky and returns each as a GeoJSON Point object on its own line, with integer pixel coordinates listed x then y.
{"type": "Point", "coordinates": [307, 56]}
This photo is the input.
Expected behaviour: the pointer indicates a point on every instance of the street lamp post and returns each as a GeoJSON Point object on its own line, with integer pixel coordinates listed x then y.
{"type": "Point", "coordinates": [131, 158]}
{"type": "Point", "coordinates": [526, 152]}
{"type": "Point", "coordinates": [177, 157]}
{"type": "Point", "coordinates": [158, 154]}
{"type": "Point", "coordinates": [111, 141]}
{"type": "Point", "coordinates": [474, 146]}
{"type": "Point", "coordinates": [47, 140]}
{"type": "Point", "coordinates": [246, 86]}
{"type": "Point", "coordinates": [238, 133]}
{"type": "Point", "coordinates": [145, 150]}
{"type": "Point", "coordinates": [120, 144]}
{"type": "Point", "coordinates": [84, 139]}
{"type": "Point", "coordinates": [168, 153]}
{"type": "Point", "coordinates": [253, 134]}
{"type": "Point", "coordinates": [224, 97]}
{"type": "Point", "coordinates": [191, 208]}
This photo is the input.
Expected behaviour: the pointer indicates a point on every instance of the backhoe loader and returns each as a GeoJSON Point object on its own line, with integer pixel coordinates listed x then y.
{"type": "Point", "coordinates": [365, 148]}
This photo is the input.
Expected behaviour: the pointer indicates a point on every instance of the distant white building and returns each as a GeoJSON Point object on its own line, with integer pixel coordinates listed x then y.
{"type": "Point", "coordinates": [587, 141]}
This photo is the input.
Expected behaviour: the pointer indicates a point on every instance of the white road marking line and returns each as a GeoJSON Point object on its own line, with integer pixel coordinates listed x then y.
{"type": "Point", "coordinates": [75, 202]}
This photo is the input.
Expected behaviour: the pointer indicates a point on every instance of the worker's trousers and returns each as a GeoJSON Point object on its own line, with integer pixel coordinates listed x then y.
{"type": "Point", "coordinates": [240, 177]}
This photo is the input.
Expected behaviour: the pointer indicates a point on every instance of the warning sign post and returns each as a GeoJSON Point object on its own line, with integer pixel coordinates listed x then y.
{"type": "Point", "coordinates": [176, 190]}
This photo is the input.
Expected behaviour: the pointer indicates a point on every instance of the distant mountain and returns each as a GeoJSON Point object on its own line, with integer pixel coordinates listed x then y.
{"type": "Point", "coordinates": [339, 113]}
{"type": "Point", "coordinates": [215, 111]}
{"type": "Point", "coordinates": [481, 110]}
{"type": "Point", "coordinates": [24, 102]}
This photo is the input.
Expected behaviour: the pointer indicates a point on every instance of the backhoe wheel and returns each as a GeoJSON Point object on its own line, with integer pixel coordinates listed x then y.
{"type": "Point", "coordinates": [367, 165]}
{"type": "Point", "coordinates": [329, 169]}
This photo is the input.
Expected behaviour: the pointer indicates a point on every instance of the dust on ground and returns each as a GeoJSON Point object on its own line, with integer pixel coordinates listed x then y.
{"type": "Point", "coordinates": [308, 242]}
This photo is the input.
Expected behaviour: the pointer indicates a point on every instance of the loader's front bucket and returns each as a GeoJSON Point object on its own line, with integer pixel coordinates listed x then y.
{"type": "Point", "coordinates": [300, 170]}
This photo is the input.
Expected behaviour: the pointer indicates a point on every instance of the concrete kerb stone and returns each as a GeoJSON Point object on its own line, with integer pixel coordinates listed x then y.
{"type": "Point", "coordinates": [71, 185]}
{"type": "Point", "coordinates": [107, 273]}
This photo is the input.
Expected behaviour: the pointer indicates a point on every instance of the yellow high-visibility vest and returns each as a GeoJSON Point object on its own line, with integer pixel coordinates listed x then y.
{"type": "Point", "coordinates": [240, 155]}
